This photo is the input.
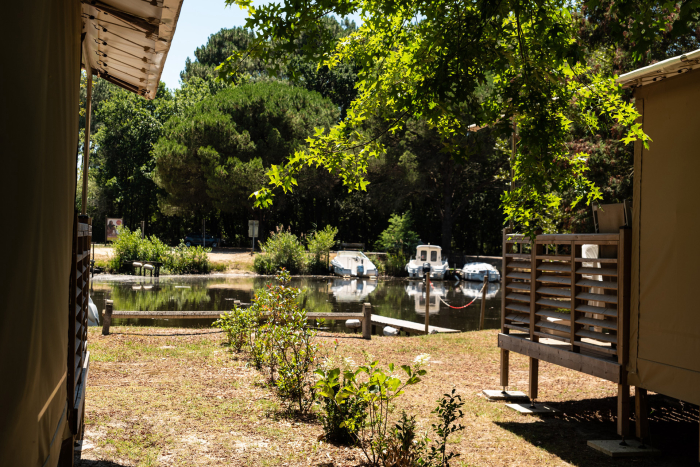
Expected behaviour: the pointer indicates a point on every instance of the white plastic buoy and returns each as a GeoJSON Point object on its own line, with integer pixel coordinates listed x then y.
{"type": "Point", "coordinates": [353, 324]}
{"type": "Point", "coordinates": [389, 331]}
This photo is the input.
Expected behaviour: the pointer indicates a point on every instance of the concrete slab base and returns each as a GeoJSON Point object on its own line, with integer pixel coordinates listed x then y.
{"type": "Point", "coordinates": [527, 409]}
{"type": "Point", "coordinates": [612, 448]}
{"type": "Point", "coordinates": [496, 395]}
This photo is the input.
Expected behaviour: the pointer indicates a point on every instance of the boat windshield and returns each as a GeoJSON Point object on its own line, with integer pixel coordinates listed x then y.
{"type": "Point", "coordinates": [352, 253]}
{"type": "Point", "coordinates": [433, 256]}
{"type": "Point", "coordinates": [423, 255]}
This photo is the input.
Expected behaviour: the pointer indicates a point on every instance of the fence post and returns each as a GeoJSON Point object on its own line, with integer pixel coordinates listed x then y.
{"type": "Point", "coordinates": [483, 301]}
{"type": "Point", "coordinates": [367, 321]}
{"type": "Point", "coordinates": [107, 317]}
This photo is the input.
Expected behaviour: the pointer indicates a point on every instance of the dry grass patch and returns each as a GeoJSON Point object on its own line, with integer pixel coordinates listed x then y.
{"type": "Point", "coordinates": [178, 397]}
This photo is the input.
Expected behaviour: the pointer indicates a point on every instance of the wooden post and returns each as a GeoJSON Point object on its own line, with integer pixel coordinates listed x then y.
{"type": "Point", "coordinates": [641, 412]}
{"type": "Point", "coordinates": [427, 303]}
{"type": "Point", "coordinates": [483, 301]}
{"type": "Point", "coordinates": [574, 328]}
{"type": "Point", "coordinates": [367, 321]}
{"type": "Point", "coordinates": [86, 147]}
{"type": "Point", "coordinates": [535, 250]}
{"type": "Point", "coordinates": [107, 317]}
{"type": "Point", "coordinates": [505, 354]}
{"type": "Point", "coordinates": [624, 256]}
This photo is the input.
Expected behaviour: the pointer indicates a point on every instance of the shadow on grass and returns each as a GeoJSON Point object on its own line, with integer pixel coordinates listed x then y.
{"type": "Point", "coordinates": [673, 429]}
{"type": "Point", "coordinates": [92, 463]}
{"type": "Point", "coordinates": [163, 335]}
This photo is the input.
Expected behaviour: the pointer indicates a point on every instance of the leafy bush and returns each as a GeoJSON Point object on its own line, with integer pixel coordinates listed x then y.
{"type": "Point", "coordinates": [236, 325]}
{"type": "Point", "coordinates": [376, 389]}
{"type": "Point", "coordinates": [184, 259]}
{"type": "Point", "coordinates": [320, 243]}
{"type": "Point", "coordinates": [129, 246]}
{"type": "Point", "coordinates": [396, 264]}
{"type": "Point", "coordinates": [398, 237]}
{"type": "Point", "coordinates": [281, 250]}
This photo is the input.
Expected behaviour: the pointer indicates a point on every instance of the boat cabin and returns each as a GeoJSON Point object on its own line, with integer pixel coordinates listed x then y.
{"type": "Point", "coordinates": [432, 255]}
{"type": "Point", "coordinates": [629, 316]}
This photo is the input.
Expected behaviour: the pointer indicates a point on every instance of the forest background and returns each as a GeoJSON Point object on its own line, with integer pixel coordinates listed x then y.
{"type": "Point", "coordinates": [198, 152]}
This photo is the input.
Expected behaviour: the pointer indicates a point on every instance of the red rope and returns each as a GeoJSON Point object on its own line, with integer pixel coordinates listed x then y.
{"type": "Point", "coordinates": [460, 307]}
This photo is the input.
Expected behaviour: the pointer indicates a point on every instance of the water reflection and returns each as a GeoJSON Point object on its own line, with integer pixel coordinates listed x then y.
{"type": "Point", "coordinates": [355, 290]}
{"type": "Point", "coordinates": [394, 298]}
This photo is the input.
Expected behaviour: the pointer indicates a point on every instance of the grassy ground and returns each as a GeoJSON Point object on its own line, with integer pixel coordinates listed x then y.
{"type": "Point", "coordinates": [179, 397]}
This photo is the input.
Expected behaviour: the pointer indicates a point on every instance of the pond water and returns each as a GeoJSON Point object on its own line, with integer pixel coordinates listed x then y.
{"type": "Point", "coordinates": [402, 299]}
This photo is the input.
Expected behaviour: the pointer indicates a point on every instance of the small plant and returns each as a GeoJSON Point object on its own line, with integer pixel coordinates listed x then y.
{"type": "Point", "coordinates": [320, 243]}
{"type": "Point", "coordinates": [376, 389]}
{"type": "Point", "coordinates": [235, 324]}
{"type": "Point", "coordinates": [404, 448]}
{"type": "Point", "coordinates": [449, 410]}
{"type": "Point", "coordinates": [341, 420]}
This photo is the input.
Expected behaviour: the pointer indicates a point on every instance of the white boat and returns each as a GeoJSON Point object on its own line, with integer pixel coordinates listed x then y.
{"type": "Point", "coordinates": [473, 289]}
{"type": "Point", "coordinates": [432, 255]}
{"type": "Point", "coordinates": [352, 290]}
{"type": "Point", "coordinates": [416, 289]}
{"type": "Point", "coordinates": [353, 263]}
{"type": "Point", "coordinates": [477, 271]}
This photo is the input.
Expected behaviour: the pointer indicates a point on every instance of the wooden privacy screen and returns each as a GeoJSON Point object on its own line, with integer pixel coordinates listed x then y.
{"type": "Point", "coordinates": [574, 299]}
{"type": "Point", "coordinates": [77, 321]}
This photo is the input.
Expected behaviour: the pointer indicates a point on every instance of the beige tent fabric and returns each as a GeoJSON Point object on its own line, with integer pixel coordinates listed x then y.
{"type": "Point", "coordinates": [39, 139]}
{"type": "Point", "coordinates": [667, 219]}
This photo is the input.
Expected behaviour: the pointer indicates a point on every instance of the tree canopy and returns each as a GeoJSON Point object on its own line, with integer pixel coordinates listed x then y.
{"type": "Point", "coordinates": [429, 59]}
{"type": "Point", "coordinates": [215, 154]}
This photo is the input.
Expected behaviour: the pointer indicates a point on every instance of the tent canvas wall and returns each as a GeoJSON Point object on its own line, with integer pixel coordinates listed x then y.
{"type": "Point", "coordinates": [665, 304]}
{"type": "Point", "coordinates": [40, 79]}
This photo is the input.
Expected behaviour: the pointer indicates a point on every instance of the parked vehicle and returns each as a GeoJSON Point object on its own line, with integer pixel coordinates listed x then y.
{"type": "Point", "coordinates": [477, 271]}
{"type": "Point", "coordinates": [431, 255]}
{"type": "Point", "coordinates": [196, 239]}
{"type": "Point", "coordinates": [353, 263]}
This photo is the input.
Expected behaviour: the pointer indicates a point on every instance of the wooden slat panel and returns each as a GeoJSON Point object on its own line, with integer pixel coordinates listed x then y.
{"type": "Point", "coordinates": [564, 280]}
{"type": "Point", "coordinates": [611, 312]}
{"type": "Point", "coordinates": [603, 323]}
{"type": "Point", "coordinates": [558, 355]}
{"type": "Point", "coordinates": [518, 308]}
{"type": "Point", "coordinates": [597, 271]}
{"type": "Point", "coordinates": [597, 260]}
{"type": "Point", "coordinates": [519, 275]}
{"type": "Point", "coordinates": [518, 286]}
{"type": "Point", "coordinates": [518, 265]}
{"type": "Point", "coordinates": [516, 328]}
{"type": "Point", "coordinates": [598, 336]}
{"type": "Point", "coordinates": [597, 348]}
{"type": "Point", "coordinates": [554, 291]}
{"type": "Point", "coordinates": [600, 284]}
{"type": "Point", "coordinates": [519, 318]}
{"type": "Point", "coordinates": [554, 303]}
{"type": "Point", "coordinates": [517, 256]}
{"type": "Point", "coordinates": [568, 238]}
{"type": "Point", "coordinates": [551, 336]}
{"type": "Point", "coordinates": [554, 314]}
{"type": "Point", "coordinates": [553, 326]}
{"type": "Point", "coordinates": [518, 297]}
{"type": "Point", "coordinates": [554, 267]}
{"type": "Point", "coordinates": [597, 297]}
{"type": "Point", "coordinates": [566, 258]}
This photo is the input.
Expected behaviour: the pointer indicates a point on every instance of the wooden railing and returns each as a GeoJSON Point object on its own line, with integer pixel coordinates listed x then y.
{"type": "Point", "coordinates": [550, 290]}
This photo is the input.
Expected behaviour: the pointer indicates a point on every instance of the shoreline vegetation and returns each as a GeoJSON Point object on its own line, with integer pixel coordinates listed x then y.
{"type": "Point", "coordinates": [168, 396]}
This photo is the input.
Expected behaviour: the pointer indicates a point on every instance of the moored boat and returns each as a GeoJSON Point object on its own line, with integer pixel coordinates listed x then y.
{"type": "Point", "coordinates": [431, 255]}
{"type": "Point", "coordinates": [477, 271]}
{"type": "Point", "coordinates": [353, 263]}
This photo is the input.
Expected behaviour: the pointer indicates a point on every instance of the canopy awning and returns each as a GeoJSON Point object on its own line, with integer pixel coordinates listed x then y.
{"type": "Point", "coordinates": [127, 41]}
{"type": "Point", "coordinates": [658, 71]}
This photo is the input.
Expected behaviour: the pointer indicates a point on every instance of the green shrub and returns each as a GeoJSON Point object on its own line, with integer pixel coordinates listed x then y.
{"type": "Point", "coordinates": [396, 264]}
{"type": "Point", "coordinates": [398, 237]}
{"type": "Point", "coordinates": [320, 243]}
{"type": "Point", "coordinates": [129, 246]}
{"type": "Point", "coordinates": [184, 259]}
{"type": "Point", "coordinates": [281, 250]}
{"type": "Point", "coordinates": [236, 324]}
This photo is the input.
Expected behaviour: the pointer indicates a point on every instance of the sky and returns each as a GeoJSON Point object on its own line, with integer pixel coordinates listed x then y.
{"type": "Point", "coordinates": [198, 20]}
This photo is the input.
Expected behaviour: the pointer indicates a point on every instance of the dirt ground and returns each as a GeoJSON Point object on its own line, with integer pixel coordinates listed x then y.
{"type": "Point", "coordinates": [236, 260]}
{"type": "Point", "coordinates": [162, 397]}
